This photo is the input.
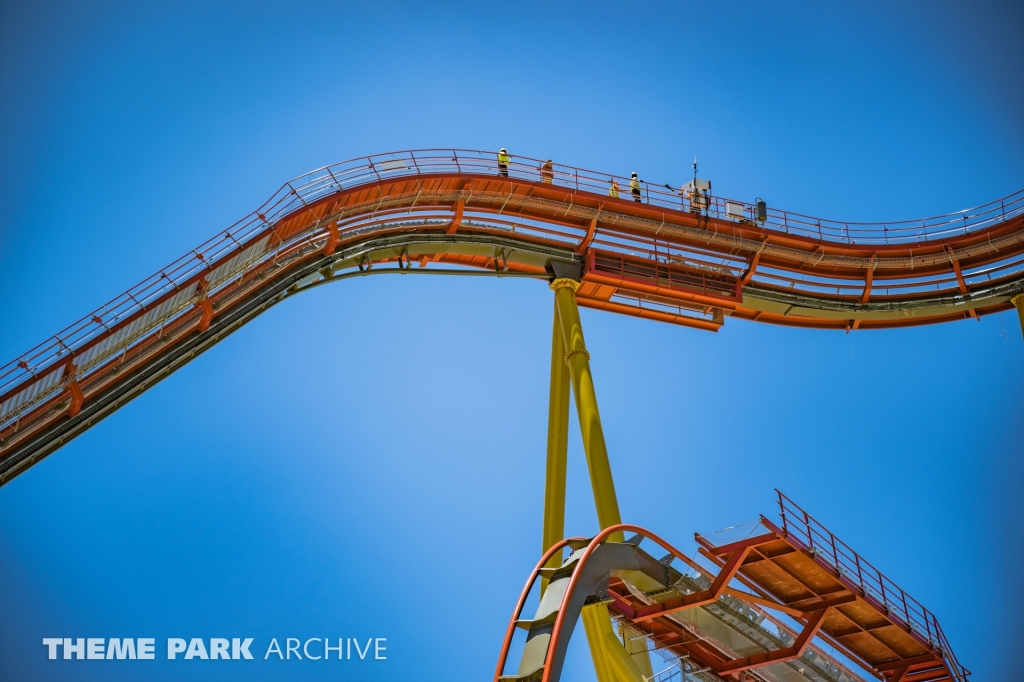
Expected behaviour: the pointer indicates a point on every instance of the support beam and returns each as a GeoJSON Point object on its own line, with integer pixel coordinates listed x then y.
{"type": "Point", "coordinates": [453, 227]}
{"type": "Point", "coordinates": [960, 281]}
{"type": "Point", "coordinates": [899, 674]}
{"type": "Point", "coordinates": [610, 657]}
{"type": "Point", "coordinates": [697, 598]}
{"type": "Point", "coordinates": [75, 390]}
{"type": "Point", "coordinates": [724, 550]}
{"type": "Point", "coordinates": [558, 439]}
{"type": "Point", "coordinates": [206, 308]}
{"type": "Point", "coordinates": [611, 661]}
{"type": "Point", "coordinates": [936, 674]}
{"type": "Point", "coordinates": [636, 647]}
{"type": "Point", "coordinates": [751, 269]}
{"type": "Point", "coordinates": [905, 662]}
{"type": "Point", "coordinates": [332, 238]}
{"type": "Point", "coordinates": [594, 623]}
{"type": "Point", "coordinates": [779, 655]}
{"type": "Point", "coordinates": [1018, 302]}
{"type": "Point", "coordinates": [869, 277]}
{"type": "Point", "coordinates": [763, 601]}
{"type": "Point", "coordinates": [591, 231]}
{"type": "Point", "coordinates": [578, 360]}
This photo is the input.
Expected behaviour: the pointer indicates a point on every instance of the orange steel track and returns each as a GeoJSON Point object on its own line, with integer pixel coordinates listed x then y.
{"type": "Point", "coordinates": [453, 212]}
{"type": "Point", "coordinates": [800, 570]}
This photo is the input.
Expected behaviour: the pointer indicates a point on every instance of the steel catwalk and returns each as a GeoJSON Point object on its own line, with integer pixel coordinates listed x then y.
{"type": "Point", "coordinates": [673, 256]}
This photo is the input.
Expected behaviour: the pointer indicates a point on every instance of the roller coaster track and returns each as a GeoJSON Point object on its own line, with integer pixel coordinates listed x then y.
{"type": "Point", "coordinates": [444, 212]}
{"type": "Point", "coordinates": [730, 621]}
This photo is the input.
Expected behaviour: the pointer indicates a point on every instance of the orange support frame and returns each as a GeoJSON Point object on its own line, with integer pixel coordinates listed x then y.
{"type": "Point", "coordinates": [453, 226]}
{"type": "Point", "coordinates": [332, 238]}
{"type": "Point", "coordinates": [737, 554]}
{"type": "Point", "coordinates": [811, 628]}
{"type": "Point", "coordinates": [75, 390]}
{"type": "Point", "coordinates": [588, 237]}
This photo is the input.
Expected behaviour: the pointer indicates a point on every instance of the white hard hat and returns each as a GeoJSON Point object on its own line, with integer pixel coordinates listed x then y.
{"type": "Point", "coordinates": [503, 150]}
{"type": "Point", "coordinates": [634, 174]}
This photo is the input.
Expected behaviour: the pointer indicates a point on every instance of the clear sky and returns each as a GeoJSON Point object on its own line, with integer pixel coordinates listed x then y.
{"type": "Point", "coordinates": [367, 460]}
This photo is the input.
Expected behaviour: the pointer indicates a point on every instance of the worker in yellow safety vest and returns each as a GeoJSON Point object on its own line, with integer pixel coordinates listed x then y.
{"type": "Point", "coordinates": [613, 191]}
{"type": "Point", "coordinates": [634, 187]}
{"type": "Point", "coordinates": [503, 161]}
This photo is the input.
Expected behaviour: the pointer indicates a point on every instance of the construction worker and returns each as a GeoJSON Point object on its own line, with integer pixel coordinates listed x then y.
{"type": "Point", "coordinates": [503, 161]}
{"type": "Point", "coordinates": [547, 172]}
{"type": "Point", "coordinates": [634, 187]}
{"type": "Point", "coordinates": [613, 191]}
{"type": "Point", "coordinates": [698, 201]}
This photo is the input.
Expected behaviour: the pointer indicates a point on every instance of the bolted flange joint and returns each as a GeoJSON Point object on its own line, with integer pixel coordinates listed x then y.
{"type": "Point", "coordinates": [565, 283]}
{"type": "Point", "coordinates": [578, 351]}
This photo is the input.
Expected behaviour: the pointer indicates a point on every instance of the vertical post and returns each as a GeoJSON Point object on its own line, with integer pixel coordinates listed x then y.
{"type": "Point", "coordinates": [578, 360]}
{"type": "Point", "coordinates": [558, 439]}
{"type": "Point", "coordinates": [613, 662]}
{"type": "Point", "coordinates": [1018, 302]}
{"type": "Point", "coordinates": [596, 624]}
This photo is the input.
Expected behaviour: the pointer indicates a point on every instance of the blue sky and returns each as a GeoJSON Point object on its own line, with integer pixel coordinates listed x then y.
{"type": "Point", "coordinates": [367, 460]}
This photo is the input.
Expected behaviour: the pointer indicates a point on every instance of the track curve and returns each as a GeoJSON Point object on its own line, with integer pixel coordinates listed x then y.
{"type": "Point", "coordinates": [666, 257]}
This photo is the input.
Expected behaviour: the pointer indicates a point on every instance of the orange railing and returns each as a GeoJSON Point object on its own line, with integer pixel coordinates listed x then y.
{"type": "Point", "coordinates": [804, 531]}
{"type": "Point", "coordinates": [38, 373]}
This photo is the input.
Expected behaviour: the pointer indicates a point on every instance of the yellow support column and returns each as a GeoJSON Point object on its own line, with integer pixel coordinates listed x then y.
{"type": "Point", "coordinates": [611, 661]}
{"type": "Point", "coordinates": [558, 439]}
{"type": "Point", "coordinates": [578, 360]}
{"type": "Point", "coordinates": [638, 653]}
{"type": "Point", "coordinates": [596, 620]}
{"type": "Point", "coordinates": [1018, 301]}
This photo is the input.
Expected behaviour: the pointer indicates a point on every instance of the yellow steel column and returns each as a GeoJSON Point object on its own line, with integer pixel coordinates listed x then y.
{"type": "Point", "coordinates": [638, 653]}
{"type": "Point", "coordinates": [558, 438]}
{"type": "Point", "coordinates": [578, 360]}
{"type": "Point", "coordinates": [611, 661]}
{"type": "Point", "coordinates": [596, 621]}
{"type": "Point", "coordinates": [1018, 301]}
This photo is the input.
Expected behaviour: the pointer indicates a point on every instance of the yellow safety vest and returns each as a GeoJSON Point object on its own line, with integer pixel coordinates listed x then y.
{"type": "Point", "coordinates": [634, 183]}
{"type": "Point", "coordinates": [613, 192]}
{"type": "Point", "coordinates": [504, 159]}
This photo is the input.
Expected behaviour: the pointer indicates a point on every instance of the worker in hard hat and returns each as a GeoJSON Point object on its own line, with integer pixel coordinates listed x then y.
{"type": "Point", "coordinates": [613, 191]}
{"type": "Point", "coordinates": [547, 172]}
{"type": "Point", "coordinates": [634, 187]}
{"type": "Point", "coordinates": [503, 161]}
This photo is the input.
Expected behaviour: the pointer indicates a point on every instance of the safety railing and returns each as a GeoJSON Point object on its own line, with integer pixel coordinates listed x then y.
{"type": "Point", "coordinates": [666, 196]}
{"type": "Point", "coordinates": [23, 380]}
{"type": "Point", "coordinates": [807, 533]}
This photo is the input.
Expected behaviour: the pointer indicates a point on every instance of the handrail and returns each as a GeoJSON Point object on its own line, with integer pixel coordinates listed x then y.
{"type": "Point", "coordinates": [47, 357]}
{"type": "Point", "coordinates": [803, 529]}
{"type": "Point", "coordinates": [585, 550]}
{"type": "Point", "coordinates": [585, 553]}
{"type": "Point", "coordinates": [507, 641]}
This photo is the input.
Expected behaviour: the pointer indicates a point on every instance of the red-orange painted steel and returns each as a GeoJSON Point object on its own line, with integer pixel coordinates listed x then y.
{"type": "Point", "coordinates": [662, 259]}
{"type": "Point", "coordinates": [736, 560]}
